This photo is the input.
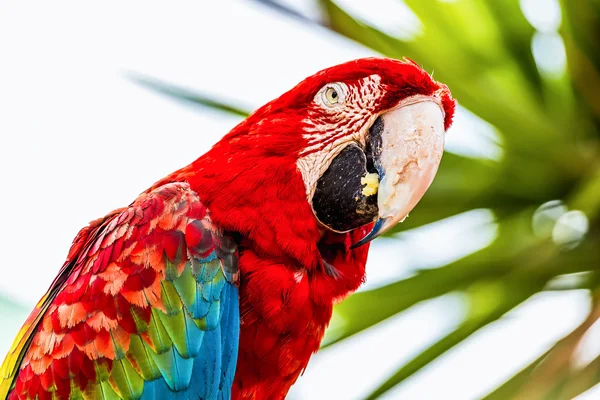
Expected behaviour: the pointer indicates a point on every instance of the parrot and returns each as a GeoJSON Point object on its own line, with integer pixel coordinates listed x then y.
{"type": "Point", "coordinates": [219, 280]}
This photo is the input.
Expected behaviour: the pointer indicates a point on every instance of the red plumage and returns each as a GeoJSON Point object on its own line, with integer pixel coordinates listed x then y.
{"type": "Point", "coordinates": [250, 183]}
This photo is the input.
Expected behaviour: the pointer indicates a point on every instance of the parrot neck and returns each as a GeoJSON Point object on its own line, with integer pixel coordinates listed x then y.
{"type": "Point", "coordinates": [262, 199]}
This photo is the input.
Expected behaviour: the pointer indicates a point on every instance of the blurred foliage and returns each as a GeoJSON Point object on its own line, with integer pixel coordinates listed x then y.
{"type": "Point", "coordinates": [549, 126]}
{"type": "Point", "coordinates": [185, 95]}
{"type": "Point", "coordinates": [13, 315]}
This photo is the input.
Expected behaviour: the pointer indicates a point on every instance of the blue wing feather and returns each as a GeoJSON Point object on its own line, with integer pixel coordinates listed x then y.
{"type": "Point", "coordinates": [212, 324]}
{"type": "Point", "coordinates": [214, 363]}
{"type": "Point", "coordinates": [230, 324]}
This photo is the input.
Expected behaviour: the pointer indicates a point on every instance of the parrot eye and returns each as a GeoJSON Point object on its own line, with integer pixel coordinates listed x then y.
{"type": "Point", "coordinates": [332, 94]}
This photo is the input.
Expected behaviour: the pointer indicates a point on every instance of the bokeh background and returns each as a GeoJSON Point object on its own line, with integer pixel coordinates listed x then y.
{"type": "Point", "coordinates": [489, 290]}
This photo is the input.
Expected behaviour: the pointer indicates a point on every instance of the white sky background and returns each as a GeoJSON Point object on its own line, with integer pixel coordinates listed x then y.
{"type": "Point", "coordinates": [78, 140]}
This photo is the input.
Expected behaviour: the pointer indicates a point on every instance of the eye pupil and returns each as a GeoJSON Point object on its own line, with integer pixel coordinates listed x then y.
{"type": "Point", "coordinates": [334, 94]}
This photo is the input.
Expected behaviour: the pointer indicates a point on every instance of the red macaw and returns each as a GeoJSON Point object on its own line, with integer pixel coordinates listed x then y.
{"type": "Point", "coordinates": [219, 281]}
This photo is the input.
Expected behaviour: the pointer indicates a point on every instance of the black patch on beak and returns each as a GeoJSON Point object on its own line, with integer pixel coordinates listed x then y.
{"type": "Point", "coordinates": [338, 201]}
{"type": "Point", "coordinates": [374, 147]}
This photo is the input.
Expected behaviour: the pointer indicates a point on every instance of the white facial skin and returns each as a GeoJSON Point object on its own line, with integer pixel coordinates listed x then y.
{"type": "Point", "coordinates": [350, 111]}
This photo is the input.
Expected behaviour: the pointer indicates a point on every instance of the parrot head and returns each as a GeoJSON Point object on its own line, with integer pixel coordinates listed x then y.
{"type": "Point", "coordinates": [368, 136]}
{"type": "Point", "coordinates": [354, 144]}
{"type": "Point", "coordinates": [374, 140]}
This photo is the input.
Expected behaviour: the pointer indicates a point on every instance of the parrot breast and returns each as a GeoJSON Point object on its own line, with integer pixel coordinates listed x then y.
{"type": "Point", "coordinates": [284, 313]}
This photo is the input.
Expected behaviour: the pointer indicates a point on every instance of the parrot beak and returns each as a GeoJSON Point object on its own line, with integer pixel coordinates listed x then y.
{"type": "Point", "coordinates": [405, 147]}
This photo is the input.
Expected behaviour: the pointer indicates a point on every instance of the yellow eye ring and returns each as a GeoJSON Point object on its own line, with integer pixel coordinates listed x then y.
{"type": "Point", "coordinates": [332, 96]}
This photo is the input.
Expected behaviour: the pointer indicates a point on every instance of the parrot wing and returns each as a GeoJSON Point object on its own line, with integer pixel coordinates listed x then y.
{"type": "Point", "coordinates": [146, 306]}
